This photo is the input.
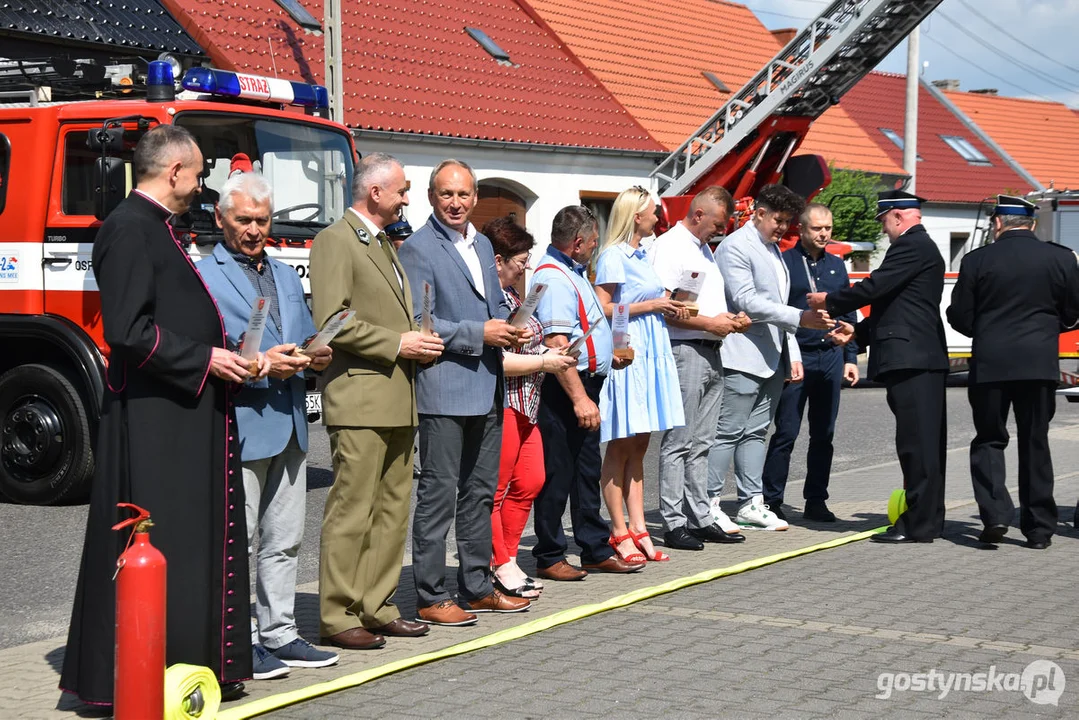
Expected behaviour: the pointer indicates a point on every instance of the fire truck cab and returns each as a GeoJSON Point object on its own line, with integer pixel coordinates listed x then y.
{"type": "Point", "coordinates": [63, 167]}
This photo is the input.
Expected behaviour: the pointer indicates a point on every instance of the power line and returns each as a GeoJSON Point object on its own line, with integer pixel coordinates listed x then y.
{"type": "Point", "coordinates": [988, 46]}
{"type": "Point", "coordinates": [1009, 83]}
{"type": "Point", "coordinates": [1013, 38]}
{"type": "Point", "coordinates": [783, 15]}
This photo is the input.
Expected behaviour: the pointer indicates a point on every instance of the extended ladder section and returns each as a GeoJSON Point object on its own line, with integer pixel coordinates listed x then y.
{"type": "Point", "coordinates": [814, 70]}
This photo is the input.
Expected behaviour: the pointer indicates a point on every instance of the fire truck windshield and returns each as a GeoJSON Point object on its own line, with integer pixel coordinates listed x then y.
{"type": "Point", "coordinates": [309, 166]}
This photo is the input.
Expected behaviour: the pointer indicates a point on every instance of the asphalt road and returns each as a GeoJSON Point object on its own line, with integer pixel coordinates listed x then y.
{"type": "Point", "coordinates": [41, 546]}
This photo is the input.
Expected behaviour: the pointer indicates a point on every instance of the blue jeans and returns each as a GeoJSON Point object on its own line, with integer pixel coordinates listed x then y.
{"type": "Point", "coordinates": [820, 389]}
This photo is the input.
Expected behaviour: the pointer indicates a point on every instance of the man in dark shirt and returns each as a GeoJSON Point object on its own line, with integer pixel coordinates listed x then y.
{"type": "Point", "coordinates": [825, 366]}
{"type": "Point", "coordinates": [1013, 297]}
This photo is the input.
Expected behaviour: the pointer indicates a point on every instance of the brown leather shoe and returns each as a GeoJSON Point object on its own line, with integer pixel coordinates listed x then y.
{"type": "Point", "coordinates": [561, 570]}
{"type": "Point", "coordinates": [355, 639]}
{"type": "Point", "coordinates": [499, 603]}
{"type": "Point", "coordinates": [403, 628]}
{"type": "Point", "coordinates": [613, 564]}
{"type": "Point", "coordinates": [446, 613]}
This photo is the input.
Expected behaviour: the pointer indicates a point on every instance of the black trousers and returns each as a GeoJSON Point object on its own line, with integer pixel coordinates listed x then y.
{"type": "Point", "coordinates": [916, 398]}
{"type": "Point", "coordinates": [1034, 402]}
{"type": "Point", "coordinates": [572, 460]}
{"type": "Point", "coordinates": [820, 388]}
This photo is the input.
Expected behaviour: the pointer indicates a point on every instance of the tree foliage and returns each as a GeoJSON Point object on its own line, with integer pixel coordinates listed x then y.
{"type": "Point", "coordinates": [852, 195]}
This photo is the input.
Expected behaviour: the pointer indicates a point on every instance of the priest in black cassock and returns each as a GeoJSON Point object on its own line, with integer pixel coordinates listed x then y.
{"type": "Point", "coordinates": [167, 439]}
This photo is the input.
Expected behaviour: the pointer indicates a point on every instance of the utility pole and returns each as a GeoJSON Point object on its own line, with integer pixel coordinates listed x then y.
{"type": "Point", "coordinates": [910, 124]}
{"type": "Point", "coordinates": [331, 43]}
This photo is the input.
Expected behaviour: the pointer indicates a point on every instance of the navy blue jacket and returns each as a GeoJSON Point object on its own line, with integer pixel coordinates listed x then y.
{"type": "Point", "coordinates": [830, 275]}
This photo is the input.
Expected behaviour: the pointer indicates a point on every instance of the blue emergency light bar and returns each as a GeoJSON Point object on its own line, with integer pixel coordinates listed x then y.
{"type": "Point", "coordinates": [255, 87]}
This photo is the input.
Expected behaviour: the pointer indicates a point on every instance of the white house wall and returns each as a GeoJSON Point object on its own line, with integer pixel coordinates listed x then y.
{"type": "Point", "coordinates": [548, 181]}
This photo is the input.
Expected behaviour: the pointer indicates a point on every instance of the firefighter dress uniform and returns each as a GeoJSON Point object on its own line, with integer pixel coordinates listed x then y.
{"type": "Point", "coordinates": [909, 356]}
{"type": "Point", "coordinates": [167, 443]}
{"type": "Point", "coordinates": [1013, 297]}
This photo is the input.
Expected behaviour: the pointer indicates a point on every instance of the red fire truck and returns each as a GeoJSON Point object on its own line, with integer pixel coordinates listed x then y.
{"type": "Point", "coordinates": [63, 167]}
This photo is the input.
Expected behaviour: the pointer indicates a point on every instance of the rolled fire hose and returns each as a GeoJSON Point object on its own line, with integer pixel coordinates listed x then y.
{"type": "Point", "coordinates": [191, 692]}
{"type": "Point", "coordinates": [897, 505]}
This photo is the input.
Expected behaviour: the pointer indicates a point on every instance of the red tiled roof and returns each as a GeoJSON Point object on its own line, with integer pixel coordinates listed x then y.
{"type": "Point", "coordinates": [842, 142]}
{"type": "Point", "coordinates": [410, 67]}
{"type": "Point", "coordinates": [1041, 136]}
{"type": "Point", "coordinates": [651, 56]}
{"type": "Point", "coordinates": [878, 101]}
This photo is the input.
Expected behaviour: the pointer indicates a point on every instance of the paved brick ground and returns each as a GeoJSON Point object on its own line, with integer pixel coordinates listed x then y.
{"type": "Point", "coordinates": [806, 637]}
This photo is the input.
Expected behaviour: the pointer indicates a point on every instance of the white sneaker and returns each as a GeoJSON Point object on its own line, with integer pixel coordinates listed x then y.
{"type": "Point", "coordinates": [725, 523]}
{"type": "Point", "coordinates": [754, 513]}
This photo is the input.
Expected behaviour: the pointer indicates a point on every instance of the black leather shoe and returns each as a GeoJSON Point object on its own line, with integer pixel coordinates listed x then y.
{"type": "Point", "coordinates": [777, 509]}
{"type": "Point", "coordinates": [992, 534]}
{"type": "Point", "coordinates": [714, 534]}
{"type": "Point", "coordinates": [1039, 544]}
{"type": "Point", "coordinates": [232, 690]}
{"type": "Point", "coordinates": [679, 539]}
{"type": "Point", "coordinates": [817, 512]}
{"type": "Point", "coordinates": [891, 536]}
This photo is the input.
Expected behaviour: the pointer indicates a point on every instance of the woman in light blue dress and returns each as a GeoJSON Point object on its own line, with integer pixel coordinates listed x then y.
{"type": "Point", "coordinates": [643, 397]}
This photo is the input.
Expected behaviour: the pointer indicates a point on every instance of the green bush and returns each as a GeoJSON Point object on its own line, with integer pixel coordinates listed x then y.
{"type": "Point", "coordinates": [853, 217]}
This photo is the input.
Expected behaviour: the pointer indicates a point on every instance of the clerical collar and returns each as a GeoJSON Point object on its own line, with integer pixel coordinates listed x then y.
{"type": "Point", "coordinates": [258, 263]}
{"type": "Point", "coordinates": [161, 206]}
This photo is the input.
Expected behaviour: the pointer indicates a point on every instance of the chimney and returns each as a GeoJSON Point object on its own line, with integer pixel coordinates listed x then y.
{"type": "Point", "coordinates": [985, 91]}
{"type": "Point", "coordinates": [785, 35]}
{"type": "Point", "coordinates": [946, 84]}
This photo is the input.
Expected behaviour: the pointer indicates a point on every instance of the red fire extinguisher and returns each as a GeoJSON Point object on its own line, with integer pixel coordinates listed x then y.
{"type": "Point", "coordinates": [139, 684]}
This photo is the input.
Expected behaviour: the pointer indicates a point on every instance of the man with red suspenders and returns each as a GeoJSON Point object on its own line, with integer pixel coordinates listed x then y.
{"type": "Point", "coordinates": [569, 405]}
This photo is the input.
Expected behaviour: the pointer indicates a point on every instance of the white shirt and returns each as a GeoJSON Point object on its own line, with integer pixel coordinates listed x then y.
{"type": "Point", "coordinates": [466, 246]}
{"type": "Point", "coordinates": [373, 232]}
{"type": "Point", "coordinates": [676, 252]}
{"type": "Point", "coordinates": [772, 248]}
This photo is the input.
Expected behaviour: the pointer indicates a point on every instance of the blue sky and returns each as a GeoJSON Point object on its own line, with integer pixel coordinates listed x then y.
{"type": "Point", "coordinates": [1024, 48]}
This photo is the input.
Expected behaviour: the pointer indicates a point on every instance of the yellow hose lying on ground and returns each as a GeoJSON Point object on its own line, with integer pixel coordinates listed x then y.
{"type": "Point", "coordinates": [191, 692]}
{"type": "Point", "coordinates": [275, 702]}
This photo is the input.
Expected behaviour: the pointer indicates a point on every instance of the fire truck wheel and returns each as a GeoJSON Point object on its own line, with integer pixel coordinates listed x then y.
{"type": "Point", "coordinates": [45, 447]}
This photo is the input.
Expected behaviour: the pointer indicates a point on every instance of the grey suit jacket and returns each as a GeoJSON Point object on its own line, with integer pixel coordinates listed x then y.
{"type": "Point", "coordinates": [467, 379]}
{"type": "Point", "coordinates": [757, 285]}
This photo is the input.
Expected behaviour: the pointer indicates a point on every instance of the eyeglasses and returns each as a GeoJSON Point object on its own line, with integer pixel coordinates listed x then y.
{"type": "Point", "coordinates": [520, 262]}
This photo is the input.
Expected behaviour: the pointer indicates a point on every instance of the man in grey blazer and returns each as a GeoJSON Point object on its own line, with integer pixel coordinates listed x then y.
{"type": "Point", "coordinates": [459, 399]}
{"type": "Point", "coordinates": [756, 363]}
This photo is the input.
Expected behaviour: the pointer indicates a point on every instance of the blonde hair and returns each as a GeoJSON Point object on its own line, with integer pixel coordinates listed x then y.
{"type": "Point", "coordinates": [620, 227]}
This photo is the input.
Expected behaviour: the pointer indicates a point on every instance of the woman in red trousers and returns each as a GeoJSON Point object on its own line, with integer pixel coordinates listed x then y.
{"type": "Point", "coordinates": [521, 474]}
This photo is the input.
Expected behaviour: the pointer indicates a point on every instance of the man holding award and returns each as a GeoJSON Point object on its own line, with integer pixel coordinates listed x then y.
{"type": "Point", "coordinates": [369, 406]}
{"type": "Point", "coordinates": [685, 264]}
{"type": "Point", "coordinates": [262, 303]}
{"type": "Point", "coordinates": [456, 288]}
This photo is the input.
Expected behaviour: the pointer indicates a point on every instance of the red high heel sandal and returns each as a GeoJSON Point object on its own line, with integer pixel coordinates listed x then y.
{"type": "Point", "coordinates": [633, 558]}
{"type": "Point", "coordinates": [658, 555]}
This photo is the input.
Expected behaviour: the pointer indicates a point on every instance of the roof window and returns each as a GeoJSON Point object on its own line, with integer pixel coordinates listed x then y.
{"type": "Point", "coordinates": [297, 12]}
{"type": "Point", "coordinates": [720, 85]}
{"type": "Point", "coordinates": [489, 45]}
{"type": "Point", "coordinates": [966, 151]}
{"type": "Point", "coordinates": [895, 138]}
